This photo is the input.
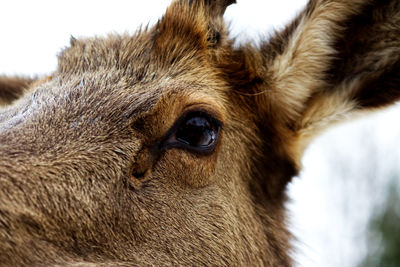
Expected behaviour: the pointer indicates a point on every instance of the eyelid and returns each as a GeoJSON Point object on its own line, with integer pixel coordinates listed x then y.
{"type": "Point", "coordinates": [211, 110]}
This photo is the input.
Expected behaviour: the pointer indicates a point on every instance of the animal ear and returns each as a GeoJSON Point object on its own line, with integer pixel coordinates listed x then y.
{"type": "Point", "coordinates": [337, 59]}
{"type": "Point", "coordinates": [12, 88]}
{"type": "Point", "coordinates": [214, 10]}
{"type": "Point", "coordinates": [216, 7]}
{"type": "Point", "coordinates": [199, 23]}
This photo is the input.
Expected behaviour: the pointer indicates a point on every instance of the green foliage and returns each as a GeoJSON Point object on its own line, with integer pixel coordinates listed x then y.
{"type": "Point", "coordinates": [384, 230]}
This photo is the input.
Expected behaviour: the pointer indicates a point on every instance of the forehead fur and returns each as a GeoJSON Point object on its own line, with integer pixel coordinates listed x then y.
{"type": "Point", "coordinates": [179, 42]}
{"type": "Point", "coordinates": [172, 62]}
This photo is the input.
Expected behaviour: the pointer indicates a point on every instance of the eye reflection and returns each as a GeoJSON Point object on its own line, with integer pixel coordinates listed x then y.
{"type": "Point", "coordinates": [197, 132]}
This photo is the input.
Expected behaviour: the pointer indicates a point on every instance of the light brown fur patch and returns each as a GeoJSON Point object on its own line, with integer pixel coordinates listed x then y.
{"type": "Point", "coordinates": [89, 174]}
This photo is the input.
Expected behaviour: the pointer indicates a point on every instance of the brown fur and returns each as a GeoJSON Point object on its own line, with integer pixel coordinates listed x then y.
{"type": "Point", "coordinates": [12, 88]}
{"type": "Point", "coordinates": [84, 179]}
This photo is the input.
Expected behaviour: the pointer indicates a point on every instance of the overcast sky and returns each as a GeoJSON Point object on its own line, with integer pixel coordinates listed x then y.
{"type": "Point", "coordinates": [33, 32]}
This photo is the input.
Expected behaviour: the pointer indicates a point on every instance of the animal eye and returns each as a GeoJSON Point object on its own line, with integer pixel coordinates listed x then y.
{"type": "Point", "coordinates": [197, 132]}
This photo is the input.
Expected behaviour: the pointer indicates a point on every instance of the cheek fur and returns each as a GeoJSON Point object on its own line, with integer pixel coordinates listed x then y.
{"type": "Point", "coordinates": [188, 169]}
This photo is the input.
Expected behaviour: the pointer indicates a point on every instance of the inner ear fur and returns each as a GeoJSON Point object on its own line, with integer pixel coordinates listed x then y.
{"type": "Point", "coordinates": [336, 59]}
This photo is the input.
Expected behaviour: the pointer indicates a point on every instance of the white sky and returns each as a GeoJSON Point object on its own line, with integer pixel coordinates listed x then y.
{"type": "Point", "coordinates": [33, 32]}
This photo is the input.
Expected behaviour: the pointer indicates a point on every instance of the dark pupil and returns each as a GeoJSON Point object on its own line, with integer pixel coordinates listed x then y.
{"type": "Point", "coordinates": [196, 132]}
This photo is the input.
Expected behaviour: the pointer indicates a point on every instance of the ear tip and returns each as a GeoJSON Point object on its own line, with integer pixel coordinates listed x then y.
{"type": "Point", "coordinates": [215, 3]}
{"type": "Point", "coordinates": [225, 3]}
{"type": "Point", "coordinates": [72, 40]}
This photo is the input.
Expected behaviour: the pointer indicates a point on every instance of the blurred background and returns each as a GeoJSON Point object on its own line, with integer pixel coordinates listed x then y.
{"type": "Point", "coordinates": [345, 208]}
